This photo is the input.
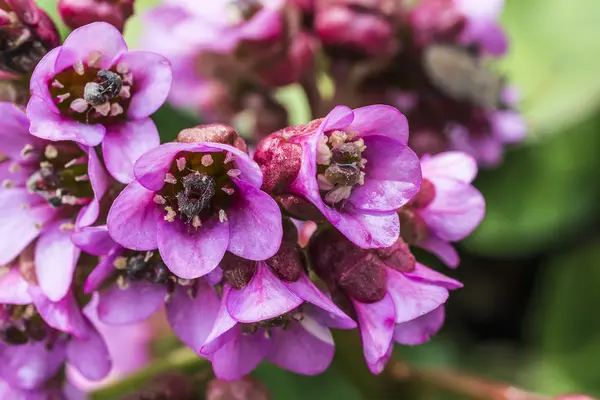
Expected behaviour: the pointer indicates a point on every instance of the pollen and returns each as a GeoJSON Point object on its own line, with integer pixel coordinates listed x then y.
{"type": "Point", "coordinates": [324, 183]}
{"type": "Point", "coordinates": [196, 222]}
{"type": "Point", "coordinates": [104, 109]}
{"type": "Point", "coordinates": [79, 105]}
{"type": "Point", "coordinates": [38, 225]}
{"type": "Point", "coordinates": [125, 92]}
{"type": "Point", "coordinates": [338, 194]}
{"type": "Point", "coordinates": [158, 199]}
{"type": "Point", "coordinates": [120, 263]}
{"type": "Point", "coordinates": [8, 184]}
{"type": "Point", "coordinates": [51, 152]}
{"type": "Point", "coordinates": [323, 152]}
{"type": "Point", "coordinates": [67, 226]}
{"type": "Point", "coordinates": [62, 97]}
{"type": "Point", "coordinates": [170, 216]}
{"type": "Point", "coordinates": [26, 151]}
{"type": "Point", "coordinates": [70, 200]}
{"type": "Point", "coordinates": [234, 173]}
{"type": "Point", "coordinates": [79, 68]}
{"type": "Point", "coordinates": [122, 282]}
{"type": "Point", "coordinates": [94, 59]}
{"type": "Point", "coordinates": [170, 178]}
{"type": "Point", "coordinates": [207, 160]}
{"type": "Point", "coordinates": [338, 137]}
{"type": "Point", "coordinates": [181, 162]}
{"type": "Point", "coordinates": [229, 191]}
{"type": "Point", "coordinates": [14, 168]}
{"type": "Point", "coordinates": [222, 216]}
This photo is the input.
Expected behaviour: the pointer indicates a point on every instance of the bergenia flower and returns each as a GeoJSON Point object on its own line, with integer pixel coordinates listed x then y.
{"type": "Point", "coordinates": [76, 13]}
{"type": "Point", "coordinates": [447, 209]}
{"type": "Point", "coordinates": [48, 190]}
{"type": "Point", "coordinates": [395, 298]}
{"type": "Point", "coordinates": [93, 90]}
{"type": "Point", "coordinates": [194, 202]}
{"type": "Point", "coordinates": [354, 166]}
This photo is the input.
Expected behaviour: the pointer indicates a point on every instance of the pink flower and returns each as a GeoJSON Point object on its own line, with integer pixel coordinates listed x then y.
{"type": "Point", "coordinates": [92, 90]}
{"type": "Point", "coordinates": [77, 13]}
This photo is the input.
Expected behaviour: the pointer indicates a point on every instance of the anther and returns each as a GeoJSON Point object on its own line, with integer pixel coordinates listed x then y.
{"type": "Point", "coordinates": [207, 160]}
{"type": "Point", "coordinates": [120, 263]}
{"type": "Point", "coordinates": [94, 59]}
{"type": "Point", "coordinates": [229, 191]}
{"type": "Point", "coordinates": [50, 152]}
{"type": "Point", "coordinates": [26, 151]}
{"type": "Point", "coordinates": [234, 173]}
{"type": "Point", "coordinates": [57, 84]}
{"type": "Point", "coordinates": [181, 162]}
{"type": "Point", "coordinates": [62, 97]}
{"type": "Point", "coordinates": [158, 199]}
{"type": "Point", "coordinates": [229, 158]}
{"type": "Point", "coordinates": [170, 178]}
{"type": "Point", "coordinates": [79, 68]}
{"type": "Point", "coordinates": [115, 109]}
{"type": "Point", "coordinates": [222, 216]}
{"type": "Point", "coordinates": [170, 216]}
{"type": "Point", "coordinates": [67, 226]}
{"type": "Point", "coordinates": [79, 105]}
{"type": "Point", "coordinates": [196, 222]}
{"type": "Point", "coordinates": [103, 109]}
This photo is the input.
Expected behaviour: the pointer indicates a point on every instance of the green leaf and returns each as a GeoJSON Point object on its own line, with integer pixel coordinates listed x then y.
{"type": "Point", "coordinates": [170, 122]}
{"type": "Point", "coordinates": [541, 195]}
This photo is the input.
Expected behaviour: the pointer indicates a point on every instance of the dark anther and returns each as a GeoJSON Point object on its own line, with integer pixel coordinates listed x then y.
{"type": "Point", "coordinates": [346, 153]}
{"type": "Point", "coordinates": [161, 273]}
{"type": "Point", "coordinates": [13, 336]}
{"type": "Point", "coordinates": [343, 175]}
{"type": "Point", "coordinates": [107, 88]}
{"type": "Point", "coordinates": [198, 191]}
{"type": "Point", "coordinates": [137, 267]}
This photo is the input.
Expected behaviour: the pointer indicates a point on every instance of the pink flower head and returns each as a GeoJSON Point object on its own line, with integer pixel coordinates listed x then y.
{"type": "Point", "coordinates": [448, 207]}
{"type": "Point", "coordinates": [395, 298]}
{"type": "Point", "coordinates": [92, 90]}
{"type": "Point", "coordinates": [354, 166]}
{"type": "Point", "coordinates": [49, 189]}
{"type": "Point", "coordinates": [194, 202]}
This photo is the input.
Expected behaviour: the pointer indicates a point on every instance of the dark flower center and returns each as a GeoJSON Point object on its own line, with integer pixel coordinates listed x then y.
{"type": "Point", "coordinates": [20, 324]}
{"type": "Point", "coordinates": [281, 322]}
{"type": "Point", "coordinates": [91, 95]}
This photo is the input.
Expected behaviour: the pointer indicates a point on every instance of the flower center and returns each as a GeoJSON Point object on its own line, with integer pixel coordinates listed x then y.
{"type": "Point", "coordinates": [91, 95]}
{"type": "Point", "coordinates": [62, 178]}
{"type": "Point", "coordinates": [282, 322]}
{"type": "Point", "coordinates": [198, 186]}
{"type": "Point", "coordinates": [142, 266]}
{"type": "Point", "coordinates": [340, 165]}
{"type": "Point", "coordinates": [20, 324]}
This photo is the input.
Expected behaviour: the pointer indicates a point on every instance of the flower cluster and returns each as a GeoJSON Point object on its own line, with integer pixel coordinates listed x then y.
{"type": "Point", "coordinates": [252, 257]}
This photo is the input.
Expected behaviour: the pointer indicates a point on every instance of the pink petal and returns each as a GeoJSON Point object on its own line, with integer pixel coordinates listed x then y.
{"type": "Point", "coordinates": [90, 356]}
{"type": "Point", "coordinates": [413, 299]}
{"type": "Point", "coordinates": [450, 164]}
{"type": "Point", "coordinates": [48, 124]}
{"type": "Point", "coordinates": [305, 347]}
{"type": "Point", "coordinates": [132, 219]}
{"type": "Point", "coordinates": [223, 324]}
{"type": "Point", "coordinates": [376, 323]}
{"type": "Point", "coordinates": [152, 77]}
{"type": "Point", "coordinates": [264, 297]}
{"type": "Point", "coordinates": [254, 224]}
{"type": "Point", "coordinates": [192, 252]}
{"type": "Point", "coordinates": [43, 73]}
{"type": "Point", "coordinates": [94, 240]}
{"type": "Point", "coordinates": [420, 330]}
{"type": "Point", "coordinates": [29, 366]}
{"type": "Point", "coordinates": [63, 315]}
{"type": "Point", "coordinates": [381, 120]}
{"type": "Point", "coordinates": [135, 303]}
{"type": "Point", "coordinates": [102, 272]}
{"type": "Point", "coordinates": [339, 118]}
{"type": "Point", "coordinates": [100, 182]}
{"type": "Point", "coordinates": [14, 130]}
{"type": "Point", "coordinates": [95, 37]}
{"type": "Point", "coordinates": [239, 355]}
{"type": "Point", "coordinates": [13, 288]}
{"type": "Point", "coordinates": [428, 275]}
{"type": "Point", "coordinates": [440, 248]}
{"type": "Point", "coordinates": [125, 143]}
{"type": "Point", "coordinates": [55, 258]}
{"type": "Point", "coordinates": [266, 24]}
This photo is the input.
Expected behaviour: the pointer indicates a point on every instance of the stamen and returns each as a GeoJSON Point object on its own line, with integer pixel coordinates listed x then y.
{"type": "Point", "coordinates": [57, 84]}
{"type": "Point", "coordinates": [148, 256]}
{"type": "Point", "coordinates": [170, 217]}
{"type": "Point", "coordinates": [234, 173]}
{"type": "Point", "coordinates": [94, 59]}
{"type": "Point", "coordinates": [115, 109]}
{"type": "Point", "coordinates": [361, 178]}
{"type": "Point", "coordinates": [222, 216]}
{"type": "Point", "coordinates": [158, 199]}
{"type": "Point", "coordinates": [229, 158]}
{"type": "Point", "coordinates": [120, 263]}
{"type": "Point", "coordinates": [122, 68]}
{"type": "Point", "coordinates": [14, 168]}
{"type": "Point", "coordinates": [67, 226]}
{"type": "Point", "coordinates": [128, 78]}
{"type": "Point", "coordinates": [185, 282]}
{"type": "Point", "coordinates": [323, 152]}
{"type": "Point", "coordinates": [68, 199]}
{"type": "Point", "coordinates": [82, 178]}
{"type": "Point", "coordinates": [62, 97]}
{"type": "Point", "coordinates": [51, 152]}
{"type": "Point", "coordinates": [122, 282]}
{"type": "Point", "coordinates": [170, 178]}
{"type": "Point", "coordinates": [324, 183]}
{"type": "Point", "coordinates": [360, 144]}
{"type": "Point", "coordinates": [229, 191]}
{"type": "Point", "coordinates": [79, 67]}
{"type": "Point", "coordinates": [338, 194]}
{"type": "Point", "coordinates": [76, 161]}
{"type": "Point", "coordinates": [103, 109]}
{"type": "Point", "coordinates": [196, 222]}
{"type": "Point", "coordinates": [338, 137]}
{"type": "Point", "coordinates": [8, 184]}
{"type": "Point", "coordinates": [207, 160]}
{"type": "Point", "coordinates": [181, 162]}
{"type": "Point", "coordinates": [79, 105]}
{"type": "Point", "coordinates": [125, 92]}
{"type": "Point", "coordinates": [26, 151]}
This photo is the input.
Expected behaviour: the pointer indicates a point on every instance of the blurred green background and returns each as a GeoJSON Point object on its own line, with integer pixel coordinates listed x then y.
{"type": "Point", "coordinates": [530, 309]}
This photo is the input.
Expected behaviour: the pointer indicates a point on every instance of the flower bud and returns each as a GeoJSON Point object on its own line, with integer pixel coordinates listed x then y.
{"type": "Point", "coordinates": [246, 388]}
{"type": "Point", "coordinates": [77, 13]}
{"type": "Point", "coordinates": [287, 263]}
{"type": "Point", "coordinates": [214, 133]}
{"type": "Point", "coordinates": [414, 229]}
{"type": "Point", "coordinates": [237, 271]}
{"type": "Point", "coordinates": [425, 196]}
{"type": "Point", "coordinates": [298, 208]}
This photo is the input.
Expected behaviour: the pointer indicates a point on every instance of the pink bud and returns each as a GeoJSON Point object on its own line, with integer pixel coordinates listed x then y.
{"type": "Point", "coordinates": [77, 13]}
{"type": "Point", "coordinates": [214, 133]}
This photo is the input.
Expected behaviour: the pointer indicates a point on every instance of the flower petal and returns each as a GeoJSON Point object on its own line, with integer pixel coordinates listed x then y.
{"type": "Point", "coordinates": [63, 315]}
{"type": "Point", "coordinates": [420, 330]}
{"type": "Point", "coordinates": [95, 37]}
{"type": "Point", "coordinates": [450, 164]}
{"type": "Point", "coordinates": [381, 120]}
{"type": "Point", "coordinates": [13, 288]}
{"type": "Point", "coordinates": [55, 258]}
{"type": "Point", "coordinates": [423, 274]}
{"type": "Point", "coordinates": [14, 130]}
{"type": "Point", "coordinates": [223, 324]}
{"type": "Point", "coordinates": [94, 240]}
{"type": "Point", "coordinates": [43, 73]}
{"type": "Point", "coordinates": [132, 219]}
{"type": "Point", "coordinates": [30, 365]}
{"type": "Point", "coordinates": [125, 143]}
{"type": "Point", "coordinates": [240, 355]}
{"type": "Point", "coordinates": [192, 252]}
{"type": "Point", "coordinates": [135, 303]}
{"type": "Point", "coordinates": [339, 118]}
{"type": "Point", "coordinates": [305, 347]}
{"type": "Point", "coordinates": [440, 248]}
{"type": "Point", "coordinates": [365, 230]}
{"type": "Point", "coordinates": [264, 297]}
{"type": "Point", "coordinates": [90, 356]}
{"type": "Point", "coordinates": [152, 81]}
{"type": "Point", "coordinates": [254, 224]}
{"type": "Point", "coordinates": [100, 182]}
{"type": "Point", "coordinates": [102, 272]}
{"type": "Point", "coordinates": [376, 323]}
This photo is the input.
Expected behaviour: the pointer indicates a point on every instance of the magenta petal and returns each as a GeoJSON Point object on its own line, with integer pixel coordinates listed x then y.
{"type": "Point", "coordinates": [451, 164]}
{"type": "Point", "coordinates": [239, 355]}
{"type": "Point", "coordinates": [19, 225]}
{"type": "Point", "coordinates": [132, 219]}
{"type": "Point", "coordinates": [381, 120]}
{"type": "Point", "coordinates": [376, 323]}
{"type": "Point", "coordinates": [55, 258]}
{"type": "Point", "coordinates": [189, 252]}
{"type": "Point", "coordinates": [14, 130]}
{"type": "Point", "coordinates": [305, 289]}
{"type": "Point", "coordinates": [94, 240]}
{"type": "Point", "coordinates": [102, 272]}
{"type": "Point", "coordinates": [192, 318]}
{"type": "Point", "coordinates": [264, 297]}
{"type": "Point", "coordinates": [223, 324]}
{"type": "Point", "coordinates": [413, 299]}
{"type": "Point", "coordinates": [44, 72]}
{"type": "Point", "coordinates": [440, 248]}
{"type": "Point", "coordinates": [420, 330]}
{"type": "Point", "coordinates": [152, 81]}
{"type": "Point", "coordinates": [339, 118]}
{"type": "Point", "coordinates": [125, 143]}
{"type": "Point", "coordinates": [90, 356]}
{"type": "Point", "coordinates": [48, 124]}
{"type": "Point", "coordinates": [135, 303]}
{"type": "Point", "coordinates": [428, 275]}
{"type": "Point", "coordinates": [305, 347]}
{"type": "Point", "coordinates": [95, 37]}
{"type": "Point", "coordinates": [30, 365]}
{"type": "Point", "coordinates": [100, 182]}
{"type": "Point", "coordinates": [255, 229]}
{"type": "Point", "coordinates": [13, 288]}
{"type": "Point", "coordinates": [63, 315]}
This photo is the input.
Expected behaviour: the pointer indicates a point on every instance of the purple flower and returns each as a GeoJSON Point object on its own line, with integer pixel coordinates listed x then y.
{"type": "Point", "coordinates": [394, 297]}
{"type": "Point", "coordinates": [194, 202]}
{"type": "Point", "coordinates": [447, 209]}
{"type": "Point", "coordinates": [48, 190]}
{"type": "Point", "coordinates": [93, 90]}
{"type": "Point", "coordinates": [354, 166]}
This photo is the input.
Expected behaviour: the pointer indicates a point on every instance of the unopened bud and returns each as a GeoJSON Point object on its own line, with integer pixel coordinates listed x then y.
{"type": "Point", "coordinates": [213, 133]}
{"type": "Point", "coordinates": [287, 263]}
{"type": "Point", "coordinates": [413, 227]}
{"type": "Point", "coordinates": [77, 13]}
{"type": "Point", "coordinates": [280, 161]}
{"type": "Point", "coordinates": [246, 388]}
{"type": "Point", "coordinates": [425, 196]}
{"type": "Point", "coordinates": [298, 208]}
{"type": "Point", "coordinates": [397, 256]}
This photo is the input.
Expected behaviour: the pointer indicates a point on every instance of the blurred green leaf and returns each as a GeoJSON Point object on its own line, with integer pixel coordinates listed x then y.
{"type": "Point", "coordinates": [170, 122]}
{"type": "Point", "coordinates": [566, 322]}
{"type": "Point", "coordinates": [541, 194]}
{"type": "Point", "coordinates": [553, 59]}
